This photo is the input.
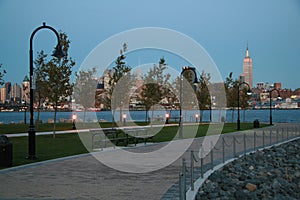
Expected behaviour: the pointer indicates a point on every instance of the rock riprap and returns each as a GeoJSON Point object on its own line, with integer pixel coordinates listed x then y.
{"type": "Point", "coordinates": [272, 173]}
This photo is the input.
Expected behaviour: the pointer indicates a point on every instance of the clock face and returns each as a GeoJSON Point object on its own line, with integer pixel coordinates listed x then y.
{"type": "Point", "coordinates": [189, 75]}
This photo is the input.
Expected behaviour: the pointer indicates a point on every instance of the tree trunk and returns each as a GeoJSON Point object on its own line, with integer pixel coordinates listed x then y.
{"type": "Point", "coordinates": [84, 115]}
{"type": "Point", "coordinates": [54, 124]}
{"type": "Point", "coordinates": [146, 115]}
{"type": "Point", "coordinates": [232, 114]}
{"type": "Point", "coordinates": [112, 118]}
{"type": "Point", "coordinates": [201, 115]}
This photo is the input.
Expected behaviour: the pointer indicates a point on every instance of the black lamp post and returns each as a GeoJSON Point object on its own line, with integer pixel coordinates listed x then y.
{"type": "Point", "coordinates": [190, 74]}
{"type": "Point", "coordinates": [58, 53]}
{"type": "Point", "coordinates": [270, 95]}
{"type": "Point", "coordinates": [238, 101]}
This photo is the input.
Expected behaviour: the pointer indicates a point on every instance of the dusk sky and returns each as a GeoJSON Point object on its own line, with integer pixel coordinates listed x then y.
{"type": "Point", "coordinates": [223, 27]}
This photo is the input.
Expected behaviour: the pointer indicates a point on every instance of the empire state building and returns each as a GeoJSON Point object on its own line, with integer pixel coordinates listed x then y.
{"type": "Point", "coordinates": [247, 76]}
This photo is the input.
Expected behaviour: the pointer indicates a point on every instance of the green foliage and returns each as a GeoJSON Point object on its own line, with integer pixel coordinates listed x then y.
{"type": "Point", "coordinates": [231, 88]}
{"type": "Point", "coordinates": [203, 95]}
{"type": "Point", "coordinates": [2, 73]}
{"type": "Point", "coordinates": [121, 76]}
{"type": "Point", "coordinates": [202, 92]}
{"type": "Point", "coordinates": [156, 86]}
{"type": "Point", "coordinates": [53, 77]}
{"type": "Point", "coordinates": [85, 88]}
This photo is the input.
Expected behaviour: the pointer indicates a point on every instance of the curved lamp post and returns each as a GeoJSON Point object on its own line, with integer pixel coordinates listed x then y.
{"type": "Point", "coordinates": [238, 101]}
{"type": "Point", "coordinates": [58, 53]}
{"type": "Point", "coordinates": [270, 95]}
{"type": "Point", "coordinates": [190, 74]}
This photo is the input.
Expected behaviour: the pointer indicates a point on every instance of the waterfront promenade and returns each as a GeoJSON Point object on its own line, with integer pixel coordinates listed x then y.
{"type": "Point", "coordinates": [84, 177]}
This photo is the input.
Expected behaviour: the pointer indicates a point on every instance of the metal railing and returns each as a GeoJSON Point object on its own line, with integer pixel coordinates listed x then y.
{"type": "Point", "coordinates": [247, 142]}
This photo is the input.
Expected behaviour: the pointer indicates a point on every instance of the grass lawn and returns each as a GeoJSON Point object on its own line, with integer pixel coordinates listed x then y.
{"type": "Point", "coordinates": [63, 145]}
{"type": "Point", "coordinates": [47, 147]}
{"type": "Point", "coordinates": [23, 128]}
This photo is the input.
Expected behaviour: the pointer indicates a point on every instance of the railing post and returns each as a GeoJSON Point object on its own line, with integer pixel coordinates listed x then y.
{"type": "Point", "coordinates": [277, 136]}
{"type": "Point", "coordinates": [287, 133]}
{"type": "Point", "coordinates": [254, 142]}
{"type": "Point", "coordinates": [234, 147]}
{"type": "Point", "coordinates": [183, 177]}
{"type": "Point", "coordinates": [201, 161]}
{"type": "Point", "coordinates": [192, 170]}
{"type": "Point", "coordinates": [263, 139]}
{"type": "Point", "coordinates": [245, 144]}
{"type": "Point", "coordinates": [282, 136]}
{"type": "Point", "coordinates": [211, 156]}
{"type": "Point", "coordinates": [223, 149]}
{"type": "Point", "coordinates": [180, 187]}
{"type": "Point", "coordinates": [270, 136]}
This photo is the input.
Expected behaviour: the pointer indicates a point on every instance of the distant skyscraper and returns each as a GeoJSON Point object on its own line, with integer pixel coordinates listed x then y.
{"type": "Point", "coordinates": [26, 89]}
{"type": "Point", "coordinates": [247, 74]}
{"type": "Point", "coordinates": [3, 95]}
{"type": "Point", "coordinates": [16, 93]}
{"type": "Point", "coordinates": [8, 90]}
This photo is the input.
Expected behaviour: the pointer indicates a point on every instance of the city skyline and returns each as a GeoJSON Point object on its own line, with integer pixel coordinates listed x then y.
{"type": "Point", "coordinates": [223, 28]}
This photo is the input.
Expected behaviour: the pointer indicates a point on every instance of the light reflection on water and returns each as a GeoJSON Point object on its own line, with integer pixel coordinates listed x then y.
{"type": "Point", "coordinates": [285, 116]}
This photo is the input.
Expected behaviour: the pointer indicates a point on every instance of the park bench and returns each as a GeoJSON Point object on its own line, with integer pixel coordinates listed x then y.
{"type": "Point", "coordinates": [102, 138]}
{"type": "Point", "coordinates": [139, 134]}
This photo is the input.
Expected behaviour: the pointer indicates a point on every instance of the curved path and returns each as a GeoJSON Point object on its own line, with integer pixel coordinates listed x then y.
{"type": "Point", "coordinates": [84, 177]}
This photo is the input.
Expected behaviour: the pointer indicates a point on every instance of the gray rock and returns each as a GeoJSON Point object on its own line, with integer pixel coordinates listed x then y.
{"type": "Point", "coordinates": [274, 174]}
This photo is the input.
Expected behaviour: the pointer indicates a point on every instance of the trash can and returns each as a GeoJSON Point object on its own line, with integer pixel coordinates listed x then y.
{"type": "Point", "coordinates": [5, 151]}
{"type": "Point", "coordinates": [256, 124]}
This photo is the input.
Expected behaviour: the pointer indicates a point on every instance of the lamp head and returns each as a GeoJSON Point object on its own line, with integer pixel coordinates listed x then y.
{"type": "Point", "coordinates": [249, 92]}
{"type": "Point", "coordinates": [58, 52]}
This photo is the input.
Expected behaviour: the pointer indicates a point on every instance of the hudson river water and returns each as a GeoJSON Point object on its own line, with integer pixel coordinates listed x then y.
{"type": "Point", "coordinates": [290, 116]}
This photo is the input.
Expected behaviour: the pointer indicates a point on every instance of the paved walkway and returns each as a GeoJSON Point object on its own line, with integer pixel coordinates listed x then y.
{"type": "Point", "coordinates": [84, 177]}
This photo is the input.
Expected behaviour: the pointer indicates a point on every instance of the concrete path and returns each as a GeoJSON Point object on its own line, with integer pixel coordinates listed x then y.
{"type": "Point", "coordinates": [84, 177]}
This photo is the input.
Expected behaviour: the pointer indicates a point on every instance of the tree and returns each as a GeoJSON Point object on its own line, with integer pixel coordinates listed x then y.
{"type": "Point", "coordinates": [2, 74]}
{"type": "Point", "coordinates": [203, 96]}
{"type": "Point", "coordinates": [156, 86]}
{"type": "Point", "coordinates": [85, 89]}
{"type": "Point", "coordinates": [55, 77]}
{"type": "Point", "coordinates": [119, 84]}
{"type": "Point", "coordinates": [41, 84]}
{"type": "Point", "coordinates": [244, 98]}
{"type": "Point", "coordinates": [231, 88]}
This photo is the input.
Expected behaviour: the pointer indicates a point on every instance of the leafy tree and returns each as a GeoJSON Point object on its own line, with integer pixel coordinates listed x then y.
{"type": "Point", "coordinates": [119, 83]}
{"type": "Point", "coordinates": [232, 90]}
{"type": "Point", "coordinates": [55, 77]}
{"type": "Point", "coordinates": [244, 98]}
{"type": "Point", "coordinates": [85, 89]}
{"type": "Point", "coordinates": [41, 84]}
{"type": "Point", "coordinates": [156, 86]}
{"type": "Point", "coordinates": [203, 96]}
{"type": "Point", "coordinates": [2, 74]}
